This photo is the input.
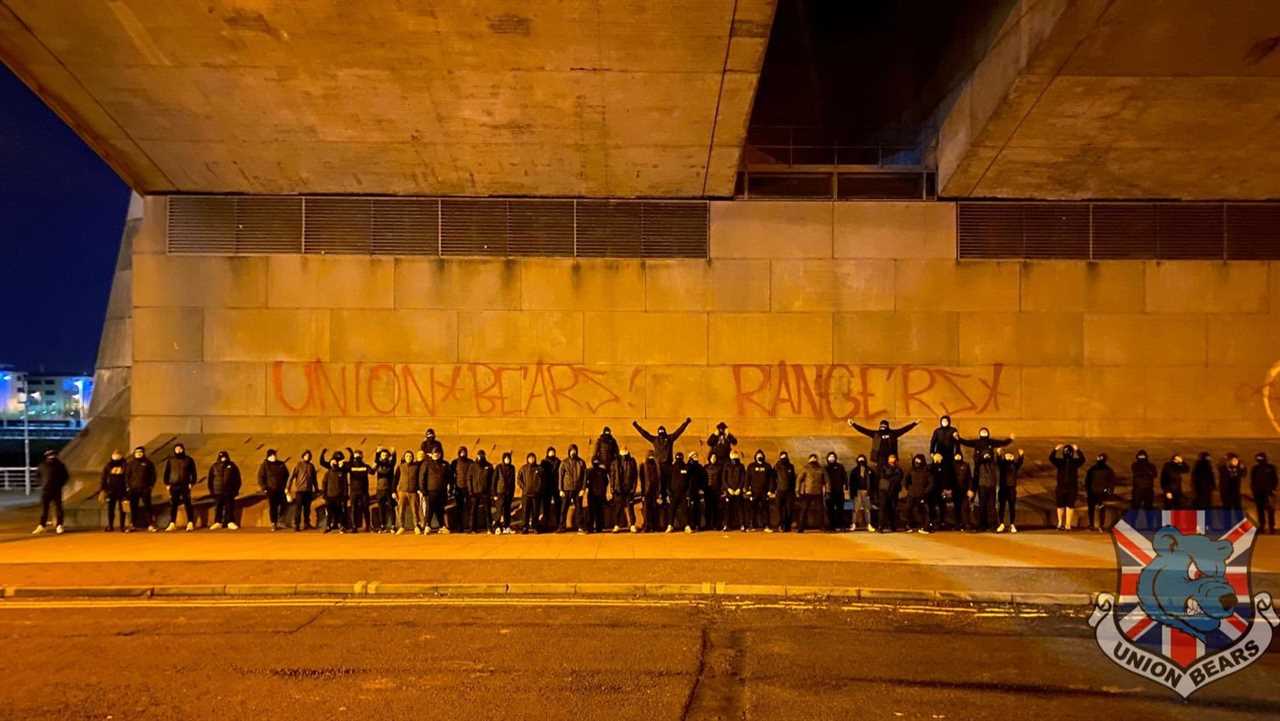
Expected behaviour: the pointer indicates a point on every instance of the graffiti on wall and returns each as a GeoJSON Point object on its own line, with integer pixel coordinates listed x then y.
{"type": "Point", "coordinates": [570, 390]}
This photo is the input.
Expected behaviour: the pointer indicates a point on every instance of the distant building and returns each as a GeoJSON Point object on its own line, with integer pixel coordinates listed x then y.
{"type": "Point", "coordinates": [55, 401]}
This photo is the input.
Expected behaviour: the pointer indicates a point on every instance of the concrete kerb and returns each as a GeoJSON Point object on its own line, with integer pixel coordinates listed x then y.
{"type": "Point", "coordinates": [703, 590]}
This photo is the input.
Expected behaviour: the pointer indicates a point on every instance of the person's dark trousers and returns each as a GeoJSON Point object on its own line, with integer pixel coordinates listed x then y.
{"type": "Point", "coordinates": [551, 511]}
{"type": "Point", "coordinates": [759, 510]}
{"type": "Point", "coordinates": [986, 506]}
{"type": "Point", "coordinates": [335, 515]}
{"type": "Point", "coordinates": [1202, 501]}
{"type": "Point", "coordinates": [1096, 508]}
{"type": "Point", "coordinates": [958, 504]}
{"type": "Point", "coordinates": [530, 507]}
{"type": "Point", "coordinates": [275, 506]}
{"type": "Point", "coordinates": [181, 498]}
{"type": "Point", "coordinates": [888, 514]}
{"type": "Point", "coordinates": [622, 513]}
{"type": "Point", "coordinates": [479, 511]}
{"type": "Point", "coordinates": [1232, 501]}
{"type": "Point", "coordinates": [387, 512]}
{"type": "Point", "coordinates": [737, 514]}
{"type": "Point", "coordinates": [1007, 507]}
{"type": "Point", "coordinates": [1266, 513]}
{"type": "Point", "coordinates": [140, 509]}
{"type": "Point", "coordinates": [785, 505]}
{"type": "Point", "coordinates": [809, 504]}
{"type": "Point", "coordinates": [457, 518]}
{"type": "Point", "coordinates": [302, 511]}
{"type": "Point", "coordinates": [46, 501]}
{"type": "Point", "coordinates": [224, 509]}
{"type": "Point", "coordinates": [1142, 500]}
{"type": "Point", "coordinates": [835, 512]}
{"type": "Point", "coordinates": [918, 512]}
{"type": "Point", "coordinates": [435, 509]}
{"type": "Point", "coordinates": [713, 512]}
{"type": "Point", "coordinates": [1171, 504]}
{"type": "Point", "coordinates": [595, 513]}
{"type": "Point", "coordinates": [503, 503]}
{"type": "Point", "coordinates": [359, 513]}
{"type": "Point", "coordinates": [571, 502]}
{"type": "Point", "coordinates": [114, 504]}
{"type": "Point", "coordinates": [680, 513]}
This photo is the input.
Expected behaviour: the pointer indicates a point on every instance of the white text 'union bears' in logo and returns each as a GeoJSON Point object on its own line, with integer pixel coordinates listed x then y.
{"type": "Point", "coordinates": [1184, 615]}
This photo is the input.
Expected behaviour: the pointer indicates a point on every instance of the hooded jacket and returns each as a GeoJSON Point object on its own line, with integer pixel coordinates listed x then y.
{"type": "Point", "coordinates": [384, 470]}
{"type": "Point", "coordinates": [735, 477]}
{"type": "Point", "coordinates": [273, 476]}
{"type": "Point", "coordinates": [721, 444]}
{"type": "Point", "coordinates": [1262, 479]}
{"type": "Point", "coordinates": [460, 473]}
{"type": "Point", "coordinates": [504, 479]}
{"type": "Point", "coordinates": [680, 479]}
{"type": "Point", "coordinates": [224, 477]}
{"type": "Point", "coordinates": [1202, 480]}
{"type": "Point", "coordinates": [715, 477]}
{"type": "Point", "coordinates": [663, 444]}
{"type": "Point", "coordinates": [358, 473]}
{"type": "Point", "coordinates": [1068, 466]}
{"type": "Point", "coordinates": [624, 475]}
{"type": "Point", "coordinates": [180, 473]}
{"type": "Point", "coordinates": [140, 474]}
{"type": "Point", "coordinates": [964, 476]}
{"type": "Point", "coordinates": [529, 480]}
{"type": "Point", "coordinates": [1143, 474]}
{"type": "Point", "coordinates": [1009, 470]}
{"type": "Point", "coordinates": [597, 481]}
{"type": "Point", "coordinates": [945, 440]}
{"type": "Point", "coordinates": [550, 474]}
{"type": "Point", "coordinates": [884, 440]}
{"type": "Point", "coordinates": [784, 476]}
{"type": "Point", "coordinates": [759, 477]}
{"type": "Point", "coordinates": [1230, 479]}
{"type": "Point", "coordinates": [1100, 480]}
{"type": "Point", "coordinates": [919, 479]}
{"type": "Point", "coordinates": [409, 476]}
{"type": "Point", "coordinates": [697, 479]}
{"type": "Point", "coordinates": [113, 483]}
{"type": "Point", "coordinates": [650, 478]}
{"type": "Point", "coordinates": [836, 479]}
{"type": "Point", "coordinates": [862, 477]}
{"type": "Point", "coordinates": [889, 479]}
{"type": "Point", "coordinates": [334, 483]}
{"type": "Point", "coordinates": [53, 475]}
{"type": "Point", "coordinates": [1171, 477]}
{"type": "Point", "coordinates": [433, 475]}
{"type": "Point", "coordinates": [990, 473]}
{"type": "Point", "coordinates": [432, 444]}
{"type": "Point", "coordinates": [811, 479]}
{"type": "Point", "coordinates": [606, 450]}
{"type": "Point", "coordinates": [303, 478]}
{"type": "Point", "coordinates": [573, 473]}
{"type": "Point", "coordinates": [480, 480]}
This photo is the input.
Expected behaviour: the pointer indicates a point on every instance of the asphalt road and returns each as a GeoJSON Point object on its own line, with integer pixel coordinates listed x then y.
{"type": "Point", "coordinates": [575, 659]}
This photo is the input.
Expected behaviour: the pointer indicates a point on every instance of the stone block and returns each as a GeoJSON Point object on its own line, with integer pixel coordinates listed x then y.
{"type": "Point", "coordinates": [145, 430]}
{"type": "Point", "coordinates": [956, 286]}
{"type": "Point", "coordinates": [831, 285]}
{"type": "Point", "coordinates": [521, 337]}
{"type": "Point", "coordinates": [445, 427]}
{"type": "Point", "coordinates": [406, 336]}
{"type": "Point", "coordinates": [1055, 393]}
{"type": "Point", "coordinates": [206, 389]}
{"type": "Point", "coordinates": [699, 285]}
{"type": "Point", "coordinates": [461, 283]}
{"type": "Point", "coordinates": [200, 281]}
{"type": "Point", "coordinates": [673, 392]}
{"type": "Point", "coordinates": [1244, 339]}
{"type": "Point", "coordinates": [152, 237]}
{"type": "Point", "coordinates": [1116, 392]}
{"type": "Point", "coordinates": [487, 429]}
{"type": "Point", "coordinates": [1206, 287]}
{"type": "Point", "coordinates": [582, 284]}
{"type": "Point", "coordinates": [261, 334]}
{"type": "Point", "coordinates": [1075, 286]}
{"type": "Point", "coordinates": [313, 281]}
{"type": "Point", "coordinates": [1026, 339]}
{"type": "Point", "coordinates": [120, 300]}
{"type": "Point", "coordinates": [895, 230]}
{"type": "Point", "coordinates": [115, 348]}
{"type": "Point", "coordinates": [769, 338]}
{"type": "Point", "coordinates": [273, 425]}
{"type": "Point", "coordinates": [1157, 339]}
{"type": "Point", "coordinates": [896, 337]}
{"type": "Point", "coordinates": [1176, 393]}
{"type": "Point", "coordinates": [771, 229]}
{"type": "Point", "coordinates": [645, 338]}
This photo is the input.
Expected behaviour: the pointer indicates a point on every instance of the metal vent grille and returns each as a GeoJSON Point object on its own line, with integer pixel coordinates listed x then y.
{"type": "Point", "coordinates": [989, 230]}
{"type": "Point", "coordinates": [1190, 231]}
{"type": "Point", "coordinates": [473, 227]}
{"type": "Point", "coordinates": [673, 230]}
{"type": "Point", "coordinates": [202, 225]}
{"type": "Point", "coordinates": [239, 225]}
{"type": "Point", "coordinates": [338, 225]}
{"type": "Point", "coordinates": [608, 229]}
{"type": "Point", "coordinates": [1124, 231]}
{"type": "Point", "coordinates": [540, 227]}
{"type": "Point", "coordinates": [268, 225]}
{"type": "Point", "coordinates": [1055, 230]}
{"type": "Point", "coordinates": [405, 226]}
{"type": "Point", "coordinates": [1253, 232]}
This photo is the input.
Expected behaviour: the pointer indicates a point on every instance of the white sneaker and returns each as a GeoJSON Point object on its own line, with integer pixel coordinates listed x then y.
{"type": "Point", "coordinates": [417, 531]}
{"type": "Point", "coordinates": [151, 529]}
{"type": "Point", "coordinates": [633, 529]}
{"type": "Point", "coordinates": [668, 530]}
{"type": "Point", "coordinates": [925, 531]}
{"type": "Point", "coordinates": [39, 530]}
{"type": "Point", "coordinates": [232, 526]}
{"type": "Point", "coordinates": [215, 527]}
{"type": "Point", "coordinates": [445, 530]}
{"type": "Point", "coordinates": [191, 526]}
{"type": "Point", "coordinates": [170, 527]}
{"type": "Point", "coordinates": [871, 529]}
{"type": "Point", "coordinates": [616, 529]}
{"type": "Point", "coordinates": [1013, 529]}
{"type": "Point", "coordinates": [687, 529]}
{"type": "Point", "coordinates": [1000, 528]}
{"type": "Point", "coordinates": [768, 530]}
{"type": "Point", "coordinates": [59, 530]}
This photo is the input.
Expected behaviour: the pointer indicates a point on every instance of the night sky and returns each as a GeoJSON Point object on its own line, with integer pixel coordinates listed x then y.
{"type": "Point", "coordinates": [63, 210]}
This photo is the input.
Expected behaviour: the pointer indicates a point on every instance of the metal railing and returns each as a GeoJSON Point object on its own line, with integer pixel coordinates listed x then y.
{"type": "Point", "coordinates": [14, 478]}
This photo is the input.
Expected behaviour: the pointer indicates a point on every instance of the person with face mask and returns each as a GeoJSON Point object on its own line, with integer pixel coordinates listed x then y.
{"type": "Point", "coordinates": [358, 472]}
{"type": "Point", "coordinates": [919, 481]}
{"type": "Point", "coordinates": [459, 475]}
{"type": "Point", "coordinates": [434, 482]}
{"type": "Point", "coordinates": [301, 491]}
{"type": "Point", "coordinates": [594, 495]}
{"type": "Point", "coordinates": [889, 485]}
{"type": "Point", "coordinates": [140, 475]}
{"type": "Point", "coordinates": [941, 486]}
{"type": "Point", "coordinates": [1171, 474]}
{"type": "Point", "coordinates": [837, 477]}
{"type": "Point", "coordinates": [714, 500]}
{"type": "Point", "coordinates": [862, 483]}
{"type": "Point", "coordinates": [551, 491]}
{"type": "Point", "coordinates": [180, 474]}
{"type": "Point", "coordinates": [649, 491]}
{"type": "Point", "coordinates": [697, 491]}
{"type": "Point", "coordinates": [504, 488]}
{"type": "Point", "coordinates": [430, 444]}
{"type": "Point", "coordinates": [1262, 481]}
{"type": "Point", "coordinates": [384, 474]}
{"type": "Point", "coordinates": [623, 479]}
{"type": "Point", "coordinates": [784, 491]}
{"type": "Point", "coordinates": [606, 448]}
{"type": "Point", "coordinates": [735, 484]}
{"type": "Point", "coordinates": [224, 486]}
{"type": "Point", "coordinates": [334, 489]}
{"type": "Point", "coordinates": [1202, 482]}
{"type": "Point", "coordinates": [884, 439]}
{"type": "Point", "coordinates": [273, 475]}
{"type": "Point", "coordinates": [529, 483]}
{"type": "Point", "coordinates": [53, 477]}
{"type": "Point", "coordinates": [759, 480]}
{"type": "Point", "coordinates": [678, 515]}
{"type": "Point", "coordinates": [573, 476]}
{"type": "Point", "coordinates": [114, 491]}
{"type": "Point", "coordinates": [811, 482]}
{"type": "Point", "coordinates": [1068, 460]}
{"type": "Point", "coordinates": [1230, 477]}
{"type": "Point", "coordinates": [987, 473]}
{"type": "Point", "coordinates": [663, 449]}
{"type": "Point", "coordinates": [721, 443]}
{"type": "Point", "coordinates": [945, 438]}
{"type": "Point", "coordinates": [964, 492]}
{"type": "Point", "coordinates": [1143, 477]}
{"type": "Point", "coordinates": [1008, 467]}
{"type": "Point", "coordinates": [480, 493]}
{"type": "Point", "coordinates": [407, 488]}
{"type": "Point", "coordinates": [1099, 487]}
{"type": "Point", "coordinates": [984, 442]}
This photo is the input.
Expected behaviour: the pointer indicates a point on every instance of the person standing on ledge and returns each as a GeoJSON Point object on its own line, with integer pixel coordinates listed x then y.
{"type": "Point", "coordinates": [721, 443]}
{"type": "Point", "coordinates": [301, 490]}
{"type": "Point", "coordinates": [551, 491]}
{"type": "Point", "coordinates": [180, 475]}
{"type": "Point", "coordinates": [1068, 460]}
{"type": "Point", "coordinates": [529, 483]}
{"type": "Point", "coordinates": [884, 440]}
{"type": "Point", "coordinates": [1171, 482]}
{"type": "Point", "coordinates": [784, 490]}
{"type": "Point", "coordinates": [408, 475]}
{"type": "Point", "coordinates": [273, 476]}
{"type": "Point", "coordinates": [140, 475]}
{"type": "Point", "coordinates": [431, 443]}
{"type": "Point", "coordinates": [663, 447]}
{"type": "Point", "coordinates": [571, 482]}
{"type": "Point", "coordinates": [53, 476]}
{"type": "Point", "coordinates": [334, 490]}
{"type": "Point", "coordinates": [114, 491]}
{"type": "Point", "coordinates": [1262, 481]}
{"type": "Point", "coordinates": [810, 481]}
{"type": "Point", "coordinates": [224, 486]}
{"type": "Point", "coordinates": [606, 450]}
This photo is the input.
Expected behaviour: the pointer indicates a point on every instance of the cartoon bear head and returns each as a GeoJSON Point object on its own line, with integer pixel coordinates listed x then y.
{"type": "Point", "coordinates": [1185, 586]}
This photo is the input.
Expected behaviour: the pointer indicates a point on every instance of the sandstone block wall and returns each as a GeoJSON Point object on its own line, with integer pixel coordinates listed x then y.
{"type": "Point", "coordinates": [806, 314]}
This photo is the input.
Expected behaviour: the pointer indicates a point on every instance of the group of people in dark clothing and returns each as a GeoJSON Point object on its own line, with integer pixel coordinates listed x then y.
{"type": "Point", "coordinates": [666, 490]}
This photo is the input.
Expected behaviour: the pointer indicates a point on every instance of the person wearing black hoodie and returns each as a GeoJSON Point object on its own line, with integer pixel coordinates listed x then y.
{"type": "Point", "coordinates": [384, 492]}
{"type": "Point", "coordinates": [889, 486]}
{"type": "Point", "coordinates": [480, 494]}
{"type": "Point", "coordinates": [697, 491]}
{"type": "Point", "coordinates": [273, 476]}
{"type": "Point", "coordinates": [1068, 459]}
{"type": "Point", "coordinates": [1099, 487]}
{"type": "Point", "coordinates": [759, 480]}
{"type": "Point", "coordinates": [431, 443]}
{"type": "Point", "coordinates": [595, 495]}
{"type": "Point", "coordinates": [53, 477]}
{"type": "Point", "coordinates": [1171, 482]}
{"type": "Point", "coordinates": [714, 500]}
{"type": "Point", "coordinates": [624, 478]}
{"type": "Point", "coordinates": [1142, 475]}
{"type": "Point", "coordinates": [941, 486]}
{"type": "Point", "coordinates": [504, 488]}
{"type": "Point", "coordinates": [862, 484]}
{"type": "Point", "coordinates": [434, 480]}
{"type": "Point", "coordinates": [1230, 477]}
{"type": "Point", "coordinates": [358, 472]}
{"type": "Point", "coordinates": [1202, 482]}
{"type": "Point", "coordinates": [986, 472]}
{"type": "Point", "coordinates": [140, 474]}
{"type": "Point", "coordinates": [963, 493]}
{"type": "Point", "coordinates": [459, 479]}
{"type": "Point", "coordinates": [721, 443]}
{"type": "Point", "coordinates": [837, 480]}
{"type": "Point", "coordinates": [333, 488]}
{"type": "Point", "coordinates": [529, 482]}
{"type": "Point", "coordinates": [606, 448]}
{"type": "Point", "coordinates": [572, 484]}
{"type": "Point", "coordinates": [114, 490]}
{"type": "Point", "coordinates": [1008, 466]}
{"type": "Point", "coordinates": [679, 513]}
{"type": "Point", "coordinates": [224, 485]}
{"type": "Point", "coordinates": [550, 490]}
{"type": "Point", "coordinates": [784, 490]}
{"type": "Point", "coordinates": [180, 474]}
{"type": "Point", "coordinates": [302, 488]}
{"type": "Point", "coordinates": [1262, 481]}
{"type": "Point", "coordinates": [735, 485]}
{"type": "Point", "coordinates": [884, 439]}
{"type": "Point", "coordinates": [648, 491]}
{"type": "Point", "coordinates": [919, 481]}
{"type": "Point", "coordinates": [663, 446]}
